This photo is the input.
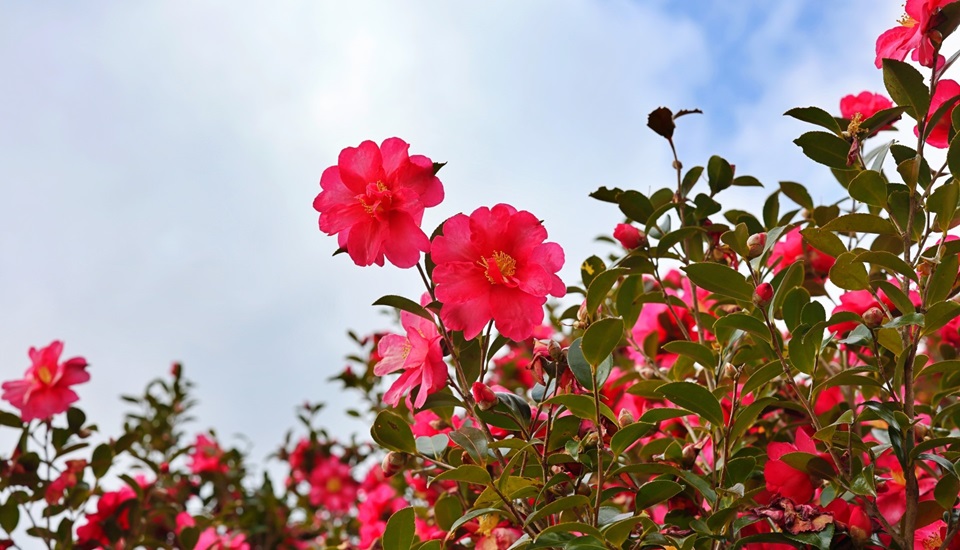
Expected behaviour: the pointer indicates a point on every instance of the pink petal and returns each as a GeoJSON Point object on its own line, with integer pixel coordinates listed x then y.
{"type": "Point", "coordinates": [361, 165]}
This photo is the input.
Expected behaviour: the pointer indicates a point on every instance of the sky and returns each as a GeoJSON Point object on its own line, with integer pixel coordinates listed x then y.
{"type": "Point", "coordinates": [159, 160]}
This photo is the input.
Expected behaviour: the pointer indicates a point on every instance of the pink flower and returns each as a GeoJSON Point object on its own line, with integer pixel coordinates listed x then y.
{"type": "Point", "coordinates": [210, 539]}
{"type": "Point", "coordinates": [792, 249]}
{"type": "Point", "coordinates": [374, 198]}
{"type": "Point", "coordinates": [930, 537]}
{"type": "Point", "coordinates": [67, 479]}
{"type": "Point", "coordinates": [375, 509]}
{"type": "Point", "coordinates": [45, 388]}
{"type": "Point", "coordinates": [494, 265]}
{"type": "Point", "coordinates": [865, 103]}
{"type": "Point", "coordinates": [629, 236]}
{"type": "Point", "coordinates": [418, 354]}
{"type": "Point", "coordinates": [946, 90]}
{"type": "Point", "coordinates": [108, 510]}
{"type": "Point", "coordinates": [785, 480]}
{"type": "Point", "coordinates": [500, 538]}
{"type": "Point", "coordinates": [912, 34]}
{"type": "Point", "coordinates": [207, 456]}
{"type": "Point", "coordinates": [332, 486]}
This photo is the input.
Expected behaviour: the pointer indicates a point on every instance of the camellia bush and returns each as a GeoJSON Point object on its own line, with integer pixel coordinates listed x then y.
{"type": "Point", "coordinates": [725, 379]}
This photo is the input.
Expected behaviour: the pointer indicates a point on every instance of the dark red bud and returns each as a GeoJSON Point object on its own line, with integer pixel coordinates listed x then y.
{"type": "Point", "coordinates": [484, 396]}
{"type": "Point", "coordinates": [763, 294]}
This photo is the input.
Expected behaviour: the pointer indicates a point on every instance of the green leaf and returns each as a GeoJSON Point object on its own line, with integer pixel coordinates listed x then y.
{"type": "Point", "coordinates": [659, 414]}
{"type": "Point", "coordinates": [399, 532]}
{"type": "Point", "coordinates": [909, 319]}
{"type": "Point", "coordinates": [655, 492]}
{"type": "Point", "coordinates": [798, 193]}
{"type": "Point", "coordinates": [907, 87]}
{"type": "Point", "coordinates": [899, 299]}
{"type": "Point", "coordinates": [392, 432]}
{"type": "Point", "coordinates": [939, 315]}
{"type": "Point", "coordinates": [467, 473]}
{"type": "Point", "coordinates": [472, 514]}
{"type": "Point", "coordinates": [942, 280]}
{"type": "Point", "coordinates": [698, 352]}
{"type": "Point", "coordinates": [762, 375]}
{"type": "Point", "coordinates": [590, 268]}
{"type": "Point", "coordinates": [862, 223]}
{"type": "Point", "coordinates": [946, 492]}
{"type": "Point", "coordinates": [890, 261]}
{"type": "Point", "coordinates": [432, 445]}
{"type": "Point", "coordinates": [635, 205]}
{"type": "Point", "coordinates": [600, 286]}
{"type": "Point", "coordinates": [880, 119]}
{"type": "Point", "coordinates": [447, 510]}
{"type": "Point", "coordinates": [695, 398]}
{"type": "Point", "coordinates": [627, 436]}
{"type": "Point", "coordinates": [826, 149]}
{"type": "Point", "coordinates": [719, 174]}
{"type": "Point", "coordinates": [849, 274]}
{"type": "Point", "coordinates": [565, 503]}
{"type": "Point", "coordinates": [823, 240]}
{"type": "Point", "coordinates": [745, 322]}
{"type": "Point", "coordinates": [943, 202]}
{"type": "Point", "coordinates": [582, 406]}
{"type": "Point", "coordinates": [720, 279]}
{"type": "Point", "coordinates": [869, 187]}
{"type": "Point", "coordinates": [815, 115]}
{"type": "Point", "coordinates": [9, 516]}
{"type": "Point", "coordinates": [102, 459]}
{"type": "Point", "coordinates": [404, 304]}
{"type": "Point", "coordinates": [771, 211]}
{"type": "Point", "coordinates": [803, 353]}
{"type": "Point", "coordinates": [10, 420]}
{"type": "Point", "coordinates": [600, 339]}
{"type": "Point", "coordinates": [473, 441]}
{"type": "Point", "coordinates": [579, 365]}
{"type": "Point", "coordinates": [747, 416]}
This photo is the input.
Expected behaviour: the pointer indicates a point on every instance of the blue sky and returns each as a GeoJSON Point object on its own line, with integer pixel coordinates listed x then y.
{"type": "Point", "coordinates": [158, 161]}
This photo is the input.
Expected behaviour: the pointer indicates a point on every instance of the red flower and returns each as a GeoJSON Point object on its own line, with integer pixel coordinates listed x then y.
{"type": "Point", "coordinates": [108, 510]}
{"type": "Point", "coordinates": [784, 479]}
{"type": "Point", "coordinates": [45, 388]}
{"type": "Point", "coordinates": [66, 480]}
{"type": "Point", "coordinates": [946, 90]}
{"type": "Point", "coordinates": [852, 517]}
{"type": "Point", "coordinates": [792, 249]}
{"type": "Point", "coordinates": [494, 265]}
{"type": "Point", "coordinates": [865, 103]}
{"type": "Point", "coordinates": [210, 539]}
{"type": "Point", "coordinates": [374, 200]}
{"type": "Point", "coordinates": [912, 34]}
{"type": "Point", "coordinates": [332, 486]}
{"type": "Point", "coordinates": [207, 456]}
{"type": "Point", "coordinates": [629, 236]}
{"type": "Point", "coordinates": [418, 354]}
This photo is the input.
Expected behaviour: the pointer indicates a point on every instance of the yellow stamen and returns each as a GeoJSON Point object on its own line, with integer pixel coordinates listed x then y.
{"type": "Point", "coordinates": [506, 266]}
{"type": "Point", "coordinates": [44, 374]}
{"type": "Point", "coordinates": [334, 485]}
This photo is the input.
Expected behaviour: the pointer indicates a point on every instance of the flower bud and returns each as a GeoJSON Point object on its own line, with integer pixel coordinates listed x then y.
{"type": "Point", "coordinates": [592, 439]}
{"type": "Point", "coordinates": [625, 418]}
{"type": "Point", "coordinates": [755, 244]}
{"type": "Point", "coordinates": [648, 373]}
{"type": "Point", "coordinates": [920, 431]}
{"type": "Point", "coordinates": [393, 463]}
{"type": "Point", "coordinates": [729, 371]}
{"type": "Point", "coordinates": [629, 236]}
{"type": "Point", "coordinates": [689, 455]}
{"type": "Point", "coordinates": [175, 370]}
{"type": "Point", "coordinates": [484, 396]}
{"type": "Point", "coordinates": [874, 317]}
{"type": "Point", "coordinates": [763, 295]}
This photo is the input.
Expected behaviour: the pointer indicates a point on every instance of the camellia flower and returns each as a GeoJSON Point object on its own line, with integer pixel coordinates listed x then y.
{"type": "Point", "coordinates": [207, 456]}
{"type": "Point", "coordinates": [494, 265]}
{"type": "Point", "coordinates": [792, 249]}
{"type": "Point", "coordinates": [628, 236]}
{"type": "Point", "coordinates": [373, 200]}
{"type": "Point", "coordinates": [332, 486]}
{"type": "Point", "coordinates": [946, 90]}
{"type": "Point", "coordinates": [418, 354]}
{"type": "Point", "coordinates": [108, 511]}
{"type": "Point", "coordinates": [912, 34]}
{"type": "Point", "coordinates": [210, 539]}
{"type": "Point", "coordinates": [67, 479]}
{"type": "Point", "coordinates": [45, 388]}
{"type": "Point", "coordinates": [785, 480]}
{"type": "Point", "coordinates": [865, 103]}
